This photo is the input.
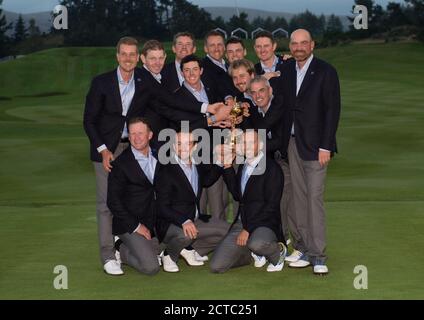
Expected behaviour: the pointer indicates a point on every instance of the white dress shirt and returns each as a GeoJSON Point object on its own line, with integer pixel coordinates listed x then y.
{"type": "Point", "coordinates": [272, 68]}
{"type": "Point", "coordinates": [248, 168]}
{"type": "Point", "coordinates": [148, 165]}
{"type": "Point", "coordinates": [126, 90]}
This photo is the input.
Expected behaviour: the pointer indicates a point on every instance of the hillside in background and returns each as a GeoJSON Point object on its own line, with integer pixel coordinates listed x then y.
{"type": "Point", "coordinates": [227, 12]}
{"type": "Point", "coordinates": [44, 20]}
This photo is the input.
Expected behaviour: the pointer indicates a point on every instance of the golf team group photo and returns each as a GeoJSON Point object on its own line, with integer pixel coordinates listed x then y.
{"type": "Point", "coordinates": [257, 191]}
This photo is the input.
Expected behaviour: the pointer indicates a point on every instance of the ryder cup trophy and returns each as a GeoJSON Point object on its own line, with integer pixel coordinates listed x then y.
{"type": "Point", "coordinates": [236, 111]}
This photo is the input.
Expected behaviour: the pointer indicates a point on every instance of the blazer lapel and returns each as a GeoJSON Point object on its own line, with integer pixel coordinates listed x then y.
{"type": "Point", "coordinates": [137, 90]}
{"type": "Point", "coordinates": [249, 184]}
{"type": "Point", "coordinates": [238, 178]}
{"type": "Point", "coordinates": [135, 167]}
{"type": "Point", "coordinates": [209, 94]}
{"type": "Point", "coordinates": [174, 78]}
{"type": "Point", "coordinates": [199, 184]}
{"type": "Point", "coordinates": [155, 155]}
{"type": "Point", "coordinates": [188, 94]}
{"type": "Point", "coordinates": [292, 80]}
{"type": "Point", "coordinates": [308, 78]}
{"type": "Point", "coordinates": [115, 91]}
{"type": "Point", "coordinates": [256, 172]}
{"type": "Point", "coordinates": [184, 178]}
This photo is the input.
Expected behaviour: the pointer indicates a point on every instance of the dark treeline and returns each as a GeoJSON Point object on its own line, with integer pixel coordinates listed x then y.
{"type": "Point", "coordinates": [396, 20]}
{"type": "Point", "coordinates": [103, 22]}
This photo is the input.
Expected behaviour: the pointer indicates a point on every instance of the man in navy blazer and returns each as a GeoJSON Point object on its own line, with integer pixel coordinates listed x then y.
{"type": "Point", "coordinates": [270, 65]}
{"type": "Point", "coordinates": [181, 225]}
{"type": "Point", "coordinates": [312, 94]}
{"type": "Point", "coordinates": [131, 199]}
{"type": "Point", "coordinates": [215, 68]}
{"type": "Point", "coordinates": [183, 45]}
{"type": "Point", "coordinates": [113, 98]}
{"type": "Point", "coordinates": [257, 186]}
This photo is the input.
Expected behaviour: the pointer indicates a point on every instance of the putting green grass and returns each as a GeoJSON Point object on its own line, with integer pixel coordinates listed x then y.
{"type": "Point", "coordinates": [374, 194]}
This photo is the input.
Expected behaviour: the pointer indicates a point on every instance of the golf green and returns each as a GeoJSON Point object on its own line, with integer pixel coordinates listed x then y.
{"type": "Point", "coordinates": [374, 192]}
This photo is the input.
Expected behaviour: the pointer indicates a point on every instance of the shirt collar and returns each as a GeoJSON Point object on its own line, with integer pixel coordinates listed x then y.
{"type": "Point", "coordinates": [274, 64]}
{"type": "Point", "coordinates": [220, 64]}
{"type": "Point", "coordinates": [248, 96]}
{"type": "Point", "coordinates": [158, 76]}
{"type": "Point", "coordinates": [191, 89]}
{"type": "Point", "coordinates": [305, 66]}
{"type": "Point", "coordinates": [121, 80]}
{"type": "Point", "coordinates": [139, 156]}
{"type": "Point", "coordinates": [182, 163]}
{"type": "Point", "coordinates": [254, 162]}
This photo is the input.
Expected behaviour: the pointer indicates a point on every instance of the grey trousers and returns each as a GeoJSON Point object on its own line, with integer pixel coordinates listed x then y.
{"type": "Point", "coordinates": [228, 254]}
{"type": "Point", "coordinates": [286, 202]}
{"type": "Point", "coordinates": [104, 216]}
{"type": "Point", "coordinates": [140, 253]}
{"type": "Point", "coordinates": [216, 196]}
{"type": "Point", "coordinates": [308, 216]}
{"type": "Point", "coordinates": [210, 234]}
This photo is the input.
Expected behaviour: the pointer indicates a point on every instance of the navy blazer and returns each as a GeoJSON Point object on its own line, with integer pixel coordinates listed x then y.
{"type": "Point", "coordinates": [170, 77]}
{"type": "Point", "coordinates": [275, 122]}
{"type": "Point", "coordinates": [315, 110]}
{"type": "Point", "coordinates": [131, 195]}
{"type": "Point", "coordinates": [259, 206]}
{"type": "Point", "coordinates": [175, 197]}
{"type": "Point", "coordinates": [103, 119]}
{"type": "Point", "coordinates": [217, 78]}
{"type": "Point", "coordinates": [275, 81]}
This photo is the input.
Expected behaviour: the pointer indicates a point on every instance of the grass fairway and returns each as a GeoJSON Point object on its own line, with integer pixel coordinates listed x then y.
{"type": "Point", "coordinates": [374, 195]}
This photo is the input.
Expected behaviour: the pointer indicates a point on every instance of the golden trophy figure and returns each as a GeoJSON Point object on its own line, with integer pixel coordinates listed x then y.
{"type": "Point", "coordinates": [236, 111]}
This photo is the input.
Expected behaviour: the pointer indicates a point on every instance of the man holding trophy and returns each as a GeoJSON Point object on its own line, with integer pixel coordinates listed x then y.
{"type": "Point", "coordinates": [257, 185]}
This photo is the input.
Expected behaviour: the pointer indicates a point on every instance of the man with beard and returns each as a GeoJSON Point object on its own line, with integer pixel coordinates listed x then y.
{"type": "Point", "coordinates": [241, 72]}
{"type": "Point", "coordinates": [312, 93]}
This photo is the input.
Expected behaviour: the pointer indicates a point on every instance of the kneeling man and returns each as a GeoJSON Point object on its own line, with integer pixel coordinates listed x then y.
{"type": "Point", "coordinates": [131, 199]}
{"type": "Point", "coordinates": [258, 186]}
{"type": "Point", "coordinates": [181, 226]}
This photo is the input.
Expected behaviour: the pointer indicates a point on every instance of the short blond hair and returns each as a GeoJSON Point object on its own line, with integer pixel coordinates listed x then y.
{"type": "Point", "coordinates": [130, 41]}
{"type": "Point", "coordinates": [241, 63]}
